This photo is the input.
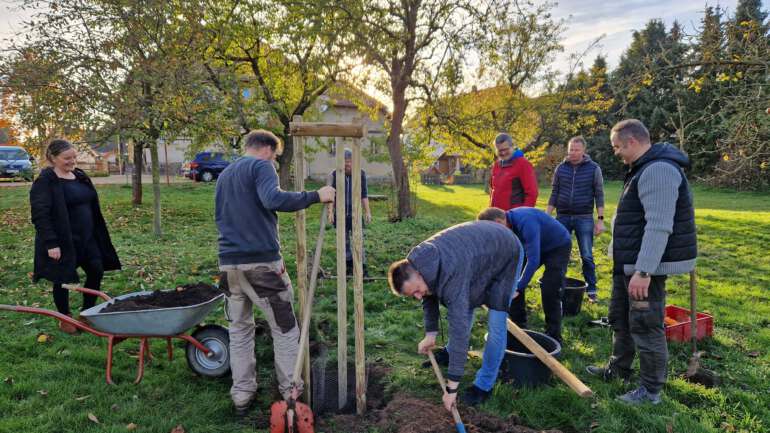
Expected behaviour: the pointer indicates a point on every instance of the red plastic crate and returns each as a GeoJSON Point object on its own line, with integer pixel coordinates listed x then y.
{"type": "Point", "coordinates": [681, 332]}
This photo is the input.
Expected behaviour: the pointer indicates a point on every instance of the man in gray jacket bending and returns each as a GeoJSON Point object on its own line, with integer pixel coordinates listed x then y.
{"type": "Point", "coordinates": [653, 235]}
{"type": "Point", "coordinates": [253, 272]}
{"type": "Point", "coordinates": [463, 267]}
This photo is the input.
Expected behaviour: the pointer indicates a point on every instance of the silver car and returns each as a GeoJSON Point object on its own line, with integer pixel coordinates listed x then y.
{"type": "Point", "coordinates": [15, 163]}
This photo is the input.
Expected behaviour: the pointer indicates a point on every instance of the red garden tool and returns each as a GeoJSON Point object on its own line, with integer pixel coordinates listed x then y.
{"type": "Point", "coordinates": [292, 416]}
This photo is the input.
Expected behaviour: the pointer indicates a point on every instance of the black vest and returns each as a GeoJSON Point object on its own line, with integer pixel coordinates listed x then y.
{"type": "Point", "coordinates": [629, 224]}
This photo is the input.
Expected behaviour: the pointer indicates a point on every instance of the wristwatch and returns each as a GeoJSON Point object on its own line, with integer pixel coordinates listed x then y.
{"type": "Point", "coordinates": [451, 390]}
{"type": "Point", "coordinates": [600, 217]}
{"type": "Point", "coordinates": [643, 274]}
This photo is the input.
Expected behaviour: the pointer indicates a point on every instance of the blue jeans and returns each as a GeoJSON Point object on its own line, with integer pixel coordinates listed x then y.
{"type": "Point", "coordinates": [583, 226]}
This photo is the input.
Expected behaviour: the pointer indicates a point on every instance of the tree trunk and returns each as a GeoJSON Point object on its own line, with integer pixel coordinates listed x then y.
{"type": "Point", "coordinates": [155, 187]}
{"type": "Point", "coordinates": [136, 178]}
{"type": "Point", "coordinates": [285, 160]}
{"type": "Point", "coordinates": [400, 174]}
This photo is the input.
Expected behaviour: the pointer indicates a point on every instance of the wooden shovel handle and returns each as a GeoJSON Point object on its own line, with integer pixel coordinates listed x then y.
{"type": "Point", "coordinates": [440, 377]}
{"type": "Point", "coordinates": [303, 336]}
{"type": "Point", "coordinates": [558, 369]}
{"type": "Point", "coordinates": [693, 313]}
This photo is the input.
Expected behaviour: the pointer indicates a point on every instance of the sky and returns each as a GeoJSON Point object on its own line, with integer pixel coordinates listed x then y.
{"type": "Point", "coordinates": [617, 19]}
{"type": "Point", "coordinates": [585, 19]}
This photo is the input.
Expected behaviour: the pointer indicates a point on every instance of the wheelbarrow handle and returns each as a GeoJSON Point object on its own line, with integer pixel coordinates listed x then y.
{"type": "Point", "coordinates": [7, 307]}
{"type": "Point", "coordinates": [76, 288]}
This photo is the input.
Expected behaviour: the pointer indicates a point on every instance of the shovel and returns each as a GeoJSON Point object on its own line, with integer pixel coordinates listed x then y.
{"type": "Point", "coordinates": [695, 373]}
{"type": "Point", "coordinates": [291, 416]}
{"type": "Point", "coordinates": [456, 415]}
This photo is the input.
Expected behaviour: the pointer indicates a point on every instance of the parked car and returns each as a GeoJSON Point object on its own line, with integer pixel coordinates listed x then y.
{"type": "Point", "coordinates": [15, 163]}
{"type": "Point", "coordinates": [206, 166]}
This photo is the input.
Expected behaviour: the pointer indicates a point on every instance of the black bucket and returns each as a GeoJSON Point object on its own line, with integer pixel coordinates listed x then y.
{"type": "Point", "coordinates": [572, 296]}
{"type": "Point", "coordinates": [521, 367]}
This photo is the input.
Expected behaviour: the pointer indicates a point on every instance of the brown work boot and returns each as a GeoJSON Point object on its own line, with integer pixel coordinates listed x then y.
{"type": "Point", "coordinates": [68, 328]}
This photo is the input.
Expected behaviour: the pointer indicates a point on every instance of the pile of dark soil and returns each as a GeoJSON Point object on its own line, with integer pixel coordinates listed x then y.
{"type": "Point", "coordinates": [183, 296]}
{"type": "Point", "coordinates": [405, 414]}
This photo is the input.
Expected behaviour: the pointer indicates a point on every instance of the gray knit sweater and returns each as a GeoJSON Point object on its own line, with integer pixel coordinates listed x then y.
{"type": "Point", "coordinates": [658, 191]}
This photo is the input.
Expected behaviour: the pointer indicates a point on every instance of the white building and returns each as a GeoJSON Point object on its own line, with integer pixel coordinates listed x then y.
{"type": "Point", "coordinates": [320, 153]}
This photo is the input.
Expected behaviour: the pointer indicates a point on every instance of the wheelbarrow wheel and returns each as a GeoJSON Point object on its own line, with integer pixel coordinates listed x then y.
{"type": "Point", "coordinates": [217, 340]}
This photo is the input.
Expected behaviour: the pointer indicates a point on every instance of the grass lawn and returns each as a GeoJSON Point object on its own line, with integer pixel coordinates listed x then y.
{"type": "Point", "coordinates": [55, 385]}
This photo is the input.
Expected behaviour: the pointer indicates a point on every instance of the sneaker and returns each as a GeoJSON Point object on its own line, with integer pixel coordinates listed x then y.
{"type": "Point", "coordinates": [592, 298]}
{"type": "Point", "coordinates": [639, 396]}
{"type": "Point", "coordinates": [474, 396]}
{"type": "Point", "coordinates": [607, 374]}
{"type": "Point", "coordinates": [442, 358]}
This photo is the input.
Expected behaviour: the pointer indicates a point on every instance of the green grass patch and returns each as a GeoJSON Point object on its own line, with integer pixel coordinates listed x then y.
{"type": "Point", "coordinates": [53, 386]}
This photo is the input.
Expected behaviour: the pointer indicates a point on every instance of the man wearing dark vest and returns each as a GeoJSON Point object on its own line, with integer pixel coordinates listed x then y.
{"type": "Point", "coordinates": [577, 185]}
{"type": "Point", "coordinates": [367, 212]}
{"type": "Point", "coordinates": [653, 235]}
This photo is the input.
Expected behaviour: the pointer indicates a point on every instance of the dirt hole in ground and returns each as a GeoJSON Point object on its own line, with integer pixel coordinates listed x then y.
{"type": "Point", "coordinates": [183, 296]}
{"type": "Point", "coordinates": [401, 413]}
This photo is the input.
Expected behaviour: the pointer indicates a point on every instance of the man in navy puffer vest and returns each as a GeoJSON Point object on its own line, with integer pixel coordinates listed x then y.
{"type": "Point", "coordinates": [577, 185]}
{"type": "Point", "coordinates": [653, 236]}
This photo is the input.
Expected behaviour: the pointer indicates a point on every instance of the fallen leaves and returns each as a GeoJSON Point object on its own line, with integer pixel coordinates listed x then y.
{"type": "Point", "coordinates": [42, 392]}
{"type": "Point", "coordinates": [93, 418]}
{"type": "Point", "coordinates": [83, 398]}
{"type": "Point", "coordinates": [43, 338]}
{"type": "Point", "coordinates": [8, 380]}
{"type": "Point", "coordinates": [131, 427]}
{"type": "Point", "coordinates": [178, 429]}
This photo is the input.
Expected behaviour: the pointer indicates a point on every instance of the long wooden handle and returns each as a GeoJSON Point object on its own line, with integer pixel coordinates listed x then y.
{"type": "Point", "coordinates": [303, 336]}
{"type": "Point", "coordinates": [558, 369]}
{"type": "Point", "coordinates": [693, 313]}
{"type": "Point", "coordinates": [440, 377]}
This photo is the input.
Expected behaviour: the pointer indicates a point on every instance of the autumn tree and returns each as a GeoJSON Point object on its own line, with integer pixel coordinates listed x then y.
{"type": "Point", "coordinates": [270, 61]}
{"type": "Point", "coordinates": [132, 63]}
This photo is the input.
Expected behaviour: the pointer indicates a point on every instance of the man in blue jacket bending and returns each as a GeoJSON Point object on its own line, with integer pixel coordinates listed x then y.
{"type": "Point", "coordinates": [462, 268]}
{"type": "Point", "coordinates": [546, 243]}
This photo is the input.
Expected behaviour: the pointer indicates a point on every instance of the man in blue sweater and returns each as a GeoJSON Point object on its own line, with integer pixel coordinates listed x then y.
{"type": "Point", "coordinates": [577, 185]}
{"type": "Point", "coordinates": [252, 270]}
{"type": "Point", "coordinates": [546, 243]}
{"type": "Point", "coordinates": [463, 267]}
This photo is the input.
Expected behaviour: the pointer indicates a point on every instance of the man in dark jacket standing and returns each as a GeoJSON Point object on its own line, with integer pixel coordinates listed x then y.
{"type": "Point", "coordinates": [546, 243]}
{"type": "Point", "coordinates": [367, 212]}
{"type": "Point", "coordinates": [512, 182]}
{"type": "Point", "coordinates": [462, 268]}
{"type": "Point", "coordinates": [577, 185]}
{"type": "Point", "coordinates": [653, 235]}
{"type": "Point", "coordinates": [252, 269]}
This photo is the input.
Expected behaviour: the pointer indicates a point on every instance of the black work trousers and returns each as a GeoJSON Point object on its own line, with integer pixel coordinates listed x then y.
{"type": "Point", "coordinates": [638, 327]}
{"type": "Point", "coordinates": [555, 262]}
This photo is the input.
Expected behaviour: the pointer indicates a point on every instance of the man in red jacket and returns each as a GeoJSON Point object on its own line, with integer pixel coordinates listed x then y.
{"type": "Point", "coordinates": [513, 183]}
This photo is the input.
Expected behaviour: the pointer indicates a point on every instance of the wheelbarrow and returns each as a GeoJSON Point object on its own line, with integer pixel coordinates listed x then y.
{"type": "Point", "coordinates": [207, 350]}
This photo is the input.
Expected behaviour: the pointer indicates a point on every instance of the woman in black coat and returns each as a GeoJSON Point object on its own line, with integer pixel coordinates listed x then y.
{"type": "Point", "coordinates": [70, 231]}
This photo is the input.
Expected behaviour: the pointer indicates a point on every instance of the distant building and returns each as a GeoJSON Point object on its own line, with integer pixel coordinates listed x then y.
{"type": "Point", "coordinates": [448, 168]}
{"type": "Point", "coordinates": [334, 106]}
